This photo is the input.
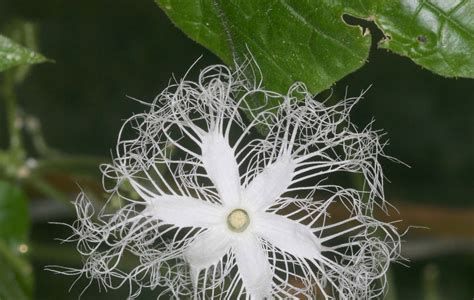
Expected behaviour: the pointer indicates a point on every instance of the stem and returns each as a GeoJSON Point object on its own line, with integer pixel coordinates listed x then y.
{"type": "Point", "coordinates": [14, 131]}
{"type": "Point", "coordinates": [392, 290]}
{"type": "Point", "coordinates": [49, 190]}
{"type": "Point", "coordinates": [431, 282]}
{"type": "Point", "coordinates": [35, 133]}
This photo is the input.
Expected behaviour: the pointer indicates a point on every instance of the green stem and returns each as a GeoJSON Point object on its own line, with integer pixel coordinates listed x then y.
{"type": "Point", "coordinates": [431, 282]}
{"type": "Point", "coordinates": [49, 190]}
{"type": "Point", "coordinates": [391, 292]}
{"type": "Point", "coordinates": [35, 133]}
{"type": "Point", "coordinates": [9, 97]}
{"type": "Point", "coordinates": [81, 165]}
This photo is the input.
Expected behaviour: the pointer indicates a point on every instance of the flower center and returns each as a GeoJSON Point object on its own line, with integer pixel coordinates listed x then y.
{"type": "Point", "coordinates": [238, 220]}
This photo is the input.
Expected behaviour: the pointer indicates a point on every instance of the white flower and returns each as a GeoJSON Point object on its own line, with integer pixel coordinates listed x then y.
{"type": "Point", "coordinates": [225, 214]}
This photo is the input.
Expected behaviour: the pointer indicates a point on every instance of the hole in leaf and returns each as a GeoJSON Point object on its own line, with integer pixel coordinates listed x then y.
{"type": "Point", "coordinates": [368, 25]}
{"type": "Point", "coordinates": [422, 38]}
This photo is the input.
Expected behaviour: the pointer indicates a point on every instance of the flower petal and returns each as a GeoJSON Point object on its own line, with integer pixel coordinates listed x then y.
{"type": "Point", "coordinates": [287, 235]}
{"type": "Point", "coordinates": [206, 250]}
{"type": "Point", "coordinates": [183, 211]}
{"type": "Point", "coordinates": [254, 268]}
{"type": "Point", "coordinates": [220, 164]}
{"type": "Point", "coordinates": [271, 183]}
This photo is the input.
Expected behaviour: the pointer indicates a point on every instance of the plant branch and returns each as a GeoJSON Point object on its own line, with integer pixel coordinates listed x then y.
{"type": "Point", "coordinates": [10, 100]}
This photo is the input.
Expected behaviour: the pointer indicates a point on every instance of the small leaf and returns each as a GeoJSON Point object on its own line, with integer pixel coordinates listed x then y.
{"type": "Point", "coordinates": [13, 54]}
{"type": "Point", "coordinates": [14, 221]}
{"type": "Point", "coordinates": [308, 41]}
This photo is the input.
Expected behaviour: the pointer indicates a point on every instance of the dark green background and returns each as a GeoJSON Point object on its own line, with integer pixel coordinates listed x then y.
{"type": "Point", "coordinates": [105, 50]}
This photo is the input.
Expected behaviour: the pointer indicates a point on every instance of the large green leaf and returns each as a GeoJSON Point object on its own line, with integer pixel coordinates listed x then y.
{"type": "Point", "coordinates": [291, 40]}
{"type": "Point", "coordinates": [13, 54]}
{"type": "Point", "coordinates": [308, 40]}
{"type": "Point", "coordinates": [15, 272]}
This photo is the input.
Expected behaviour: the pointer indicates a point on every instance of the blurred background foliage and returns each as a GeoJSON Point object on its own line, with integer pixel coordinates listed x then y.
{"type": "Point", "coordinates": [68, 113]}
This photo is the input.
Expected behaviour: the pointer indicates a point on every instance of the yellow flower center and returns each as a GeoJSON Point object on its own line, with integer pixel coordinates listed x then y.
{"type": "Point", "coordinates": [238, 220]}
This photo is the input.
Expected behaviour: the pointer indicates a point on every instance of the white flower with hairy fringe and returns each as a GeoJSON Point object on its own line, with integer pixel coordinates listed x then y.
{"type": "Point", "coordinates": [223, 213]}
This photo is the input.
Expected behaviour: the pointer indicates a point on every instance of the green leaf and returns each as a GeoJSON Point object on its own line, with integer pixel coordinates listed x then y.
{"type": "Point", "coordinates": [291, 40]}
{"type": "Point", "coordinates": [14, 221]}
{"type": "Point", "coordinates": [307, 40]}
{"type": "Point", "coordinates": [15, 272]}
{"type": "Point", "coordinates": [13, 54]}
{"type": "Point", "coordinates": [16, 281]}
{"type": "Point", "coordinates": [436, 34]}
